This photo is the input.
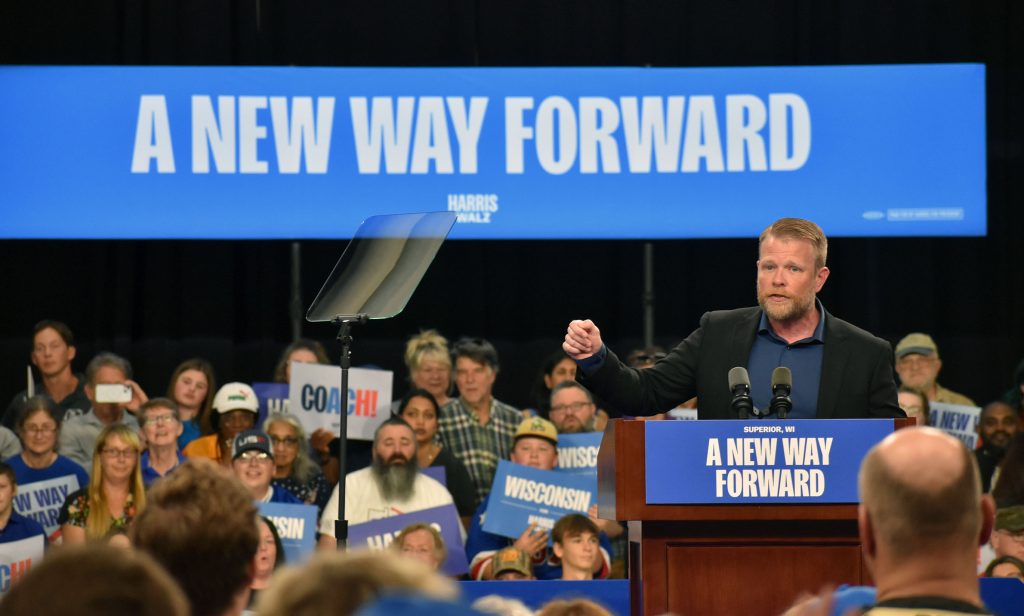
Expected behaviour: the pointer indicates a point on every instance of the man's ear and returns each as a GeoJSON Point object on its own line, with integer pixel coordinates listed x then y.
{"type": "Point", "coordinates": [988, 517]}
{"type": "Point", "coordinates": [556, 547]}
{"type": "Point", "coordinates": [867, 533]}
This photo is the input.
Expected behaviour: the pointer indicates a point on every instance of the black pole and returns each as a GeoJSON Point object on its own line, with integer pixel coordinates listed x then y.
{"type": "Point", "coordinates": [345, 338]}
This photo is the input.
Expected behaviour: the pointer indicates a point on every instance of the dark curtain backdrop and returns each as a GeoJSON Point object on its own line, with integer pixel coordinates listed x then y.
{"type": "Point", "coordinates": [158, 302]}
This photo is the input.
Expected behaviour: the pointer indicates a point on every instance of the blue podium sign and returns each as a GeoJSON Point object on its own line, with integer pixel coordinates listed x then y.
{"type": "Point", "coordinates": [516, 153]}
{"type": "Point", "coordinates": [796, 461]}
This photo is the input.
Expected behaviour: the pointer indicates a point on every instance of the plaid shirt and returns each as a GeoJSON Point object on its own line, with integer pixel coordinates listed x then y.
{"type": "Point", "coordinates": [478, 447]}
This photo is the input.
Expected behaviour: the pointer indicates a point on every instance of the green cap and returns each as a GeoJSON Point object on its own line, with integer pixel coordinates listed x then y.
{"type": "Point", "coordinates": [1010, 518]}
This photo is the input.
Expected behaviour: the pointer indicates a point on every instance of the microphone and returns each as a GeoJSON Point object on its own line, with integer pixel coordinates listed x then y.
{"type": "Point", "coordinates": [739, 385]}
{"type": "Point", "coordinates": [782, 386]}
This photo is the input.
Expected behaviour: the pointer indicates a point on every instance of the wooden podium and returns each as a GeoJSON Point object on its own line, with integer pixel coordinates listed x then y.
{"type": "Point", "coordinates": [726, 559]}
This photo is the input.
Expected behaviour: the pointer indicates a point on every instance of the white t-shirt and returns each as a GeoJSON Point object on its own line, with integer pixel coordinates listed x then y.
{"type": "Point", "coordinates": [364, 502]}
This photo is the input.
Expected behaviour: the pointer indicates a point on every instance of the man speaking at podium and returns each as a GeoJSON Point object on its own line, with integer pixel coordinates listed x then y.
{"type": "Point", "coordinates": [836, 369]}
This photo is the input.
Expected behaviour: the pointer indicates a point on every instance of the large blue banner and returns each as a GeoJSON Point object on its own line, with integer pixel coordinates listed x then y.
{"type": "Point", "coordinates": [795, 461]}
{"type": "Point", "coordinates": [248, 152]}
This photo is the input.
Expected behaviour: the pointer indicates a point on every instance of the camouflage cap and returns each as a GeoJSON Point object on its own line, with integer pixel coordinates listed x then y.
{"type": "Point", "coordinates": [1010, 518]}
{"type": "Point", "coordinates": [511, 559]}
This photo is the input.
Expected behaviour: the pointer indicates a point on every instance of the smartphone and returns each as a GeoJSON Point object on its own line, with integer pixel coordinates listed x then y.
{"type": "Point", "coordinates": [113, 394]}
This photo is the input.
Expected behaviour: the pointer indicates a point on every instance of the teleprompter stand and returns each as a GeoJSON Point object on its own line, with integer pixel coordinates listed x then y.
{"type": "Point", "coordinates": [374, 279]}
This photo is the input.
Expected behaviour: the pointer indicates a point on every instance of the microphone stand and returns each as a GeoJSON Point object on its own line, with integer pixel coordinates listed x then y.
{"type": "Point", "coordinates": [345, 338]}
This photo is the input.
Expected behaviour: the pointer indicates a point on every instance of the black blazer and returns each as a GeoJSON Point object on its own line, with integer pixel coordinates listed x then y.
{"type": "Point", "coordinates": [856, 371]}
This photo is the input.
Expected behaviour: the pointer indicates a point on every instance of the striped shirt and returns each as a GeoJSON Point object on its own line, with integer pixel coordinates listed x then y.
{"type": "Point", "coordinates": [479, 447]}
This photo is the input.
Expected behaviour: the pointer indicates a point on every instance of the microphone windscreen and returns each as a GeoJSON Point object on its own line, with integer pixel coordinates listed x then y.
{"type": "Point", "coordinates": [782, 376]}
{"type": "Point", "coordinates": [738, 376]}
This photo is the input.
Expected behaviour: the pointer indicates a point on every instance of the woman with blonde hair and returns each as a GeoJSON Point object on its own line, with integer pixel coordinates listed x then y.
{"type": "Point", "coordinates": [114, 496]}
{"type": "Point", "coordinates": [430, 364]}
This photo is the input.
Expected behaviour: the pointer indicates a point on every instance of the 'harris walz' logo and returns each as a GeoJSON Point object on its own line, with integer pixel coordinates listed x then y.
{"type": "Point", "coordinates": [473, 207]}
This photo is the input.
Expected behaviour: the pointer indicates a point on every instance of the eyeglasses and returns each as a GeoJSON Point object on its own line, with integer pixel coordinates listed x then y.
{"type": "Point", "coordinates": [288, 441]}
{"type": "Point", "coordinates": [111, 453]}
{"type": "Point", "coordinates": [575, 407]}
{"type": "Point", "coordinates": [159, 419]}
{"type": "Point", "coordinates": [253, 456]}
{"type": "Point", "coordinates": [45, 430]}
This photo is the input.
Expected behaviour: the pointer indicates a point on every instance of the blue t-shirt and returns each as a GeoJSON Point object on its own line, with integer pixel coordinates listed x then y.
{"type": "Point", "coordinates": [61, 467]}
{"type": "Point", "coordinates": [280, 495]}
{"type": "Point", "coordinates": [189, 432]}
{"type": "Point", "coordinates": [19, 527]}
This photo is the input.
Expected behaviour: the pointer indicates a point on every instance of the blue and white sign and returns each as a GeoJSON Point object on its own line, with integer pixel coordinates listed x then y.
{"type": "Point", "coordinates": [17, 559]}
{"type": "Point", "coordinates": [42, 500]}
{"type": "Point", "coordinates": [273, 398]}
{"type": "Point", "coordinates": [956, 420]}
{"type": "Point", "coordinates": [795, 461]}
{"type": "Point", "coordinates": [577, 453]}
{"type": "Point", "coordinates": [296, 525]}
{"type": "Point", "coordinates": [521, 495]}
{"type": "Point", "coordinates": [436, 472]}
{"type": "Point", "coordinates": [516, 153]}
{"type": "Point", "coordinates": [378, 534]}
{"type": "Point", "coordinates": [314, 397]}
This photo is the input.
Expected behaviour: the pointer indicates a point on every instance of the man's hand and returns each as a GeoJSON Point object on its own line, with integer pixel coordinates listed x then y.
{"type": "Point", "coordinates": [139, 397]}
{"type": "Point", "coordinates": [320, 441]}
{"type": "Point", "coordinates": [532, 540]}
{"type": "Point", "coordinates": [582, 339]}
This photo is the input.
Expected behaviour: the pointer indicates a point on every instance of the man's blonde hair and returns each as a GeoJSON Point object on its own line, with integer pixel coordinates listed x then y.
{"type": "Point", "coordinates": [340, 583]}
{"type": "Point", "coordinates": [799, 229]}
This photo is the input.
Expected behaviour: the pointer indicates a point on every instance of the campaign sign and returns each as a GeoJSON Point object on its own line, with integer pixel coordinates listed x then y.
{"type": "Point", "coordinates": [956, 420]}
{"type": "Point", "coordinates": [296, 525]}
{"type": "Point", "coordinates": [273, 399]}
{"type": "Point", "coordinates": [794, 461]}
{"type": "Point", "coordinates": [42, 500]}
{"type": "Point", "coordinates": [314, 397]}
{"type": "Point", "coordinates": [181, 152]}
{"type": "Point", "coordinates": [378, 534]}
{"type": "Point", "coordinates": [577, 453]}
{"type": "Point", "coordinates": [436, 472]}
{"type": "Point", "coordinates": [17, 558]}
{"type": "Point", "coordinates": [521, 495]}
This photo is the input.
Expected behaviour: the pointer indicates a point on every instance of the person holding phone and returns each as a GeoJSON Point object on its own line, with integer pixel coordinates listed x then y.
{"type": "Point", "coordinates": [112, 391]}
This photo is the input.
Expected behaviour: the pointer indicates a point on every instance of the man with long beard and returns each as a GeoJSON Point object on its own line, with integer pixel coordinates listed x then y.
{"type": "Point", "coordinates": [838, 370]}
{"type": "Point", "coordinates": [391, 485]}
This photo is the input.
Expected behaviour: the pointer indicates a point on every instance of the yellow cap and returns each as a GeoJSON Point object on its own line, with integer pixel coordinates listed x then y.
{"type": "Point", "coordinates": [538, 427]}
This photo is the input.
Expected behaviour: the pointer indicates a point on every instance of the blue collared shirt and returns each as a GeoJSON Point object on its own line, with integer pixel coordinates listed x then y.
{"type": "Point", "coordinates": [149, 474]}
{"type": "Point", "coordinates": [20, 527]}
{"type": "Point", "coordinates": [802, 357]}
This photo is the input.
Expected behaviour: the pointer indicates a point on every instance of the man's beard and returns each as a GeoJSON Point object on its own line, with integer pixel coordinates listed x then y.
{"type": "Point", "coordinates": [396, 481]}
{"type": "Point", "coordinates": [577, 427]}
{"type": "Point", "coordinates": [795, 309]}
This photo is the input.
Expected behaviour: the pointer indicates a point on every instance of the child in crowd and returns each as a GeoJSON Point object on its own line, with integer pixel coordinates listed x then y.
{"type": "Point", "coordinates": [575, 542]}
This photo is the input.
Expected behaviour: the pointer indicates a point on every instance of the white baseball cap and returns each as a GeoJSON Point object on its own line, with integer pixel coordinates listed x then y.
{"type": "Point", "coordinates": [236, 397]}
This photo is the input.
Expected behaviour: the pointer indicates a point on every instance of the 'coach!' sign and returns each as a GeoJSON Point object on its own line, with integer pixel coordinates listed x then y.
{"type": "Point", "coordinates": [797, 461]}
{"type": "Point", "coordinates": [315, 398]}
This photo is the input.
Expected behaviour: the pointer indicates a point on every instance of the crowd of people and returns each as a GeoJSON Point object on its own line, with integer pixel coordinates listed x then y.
{"type": "Point", "coordinates": [179, 477]}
